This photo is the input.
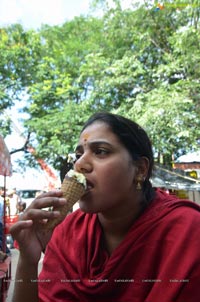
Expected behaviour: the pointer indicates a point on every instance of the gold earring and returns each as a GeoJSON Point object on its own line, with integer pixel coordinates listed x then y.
{"type": "Point", "coordinates": [138, 185]}
{"type": "Point", "coordinates": [139, 181]}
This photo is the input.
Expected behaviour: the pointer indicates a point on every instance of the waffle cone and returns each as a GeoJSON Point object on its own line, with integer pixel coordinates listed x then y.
{"type": "Point", "coordinates": [72, 191]}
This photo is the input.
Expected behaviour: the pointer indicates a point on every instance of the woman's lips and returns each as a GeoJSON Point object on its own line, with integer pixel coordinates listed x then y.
{"type": "Point", "coordinates": [89, 185]}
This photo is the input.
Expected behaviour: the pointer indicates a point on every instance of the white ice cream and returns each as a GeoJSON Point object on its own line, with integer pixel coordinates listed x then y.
{"type": "Point", "coordinates": [78, 176]}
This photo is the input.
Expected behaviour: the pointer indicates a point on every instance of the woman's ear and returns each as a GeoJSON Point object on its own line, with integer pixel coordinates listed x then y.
{"type": "Point", "coordinates": [141, 172]}
{"type": "Point", "coordinates": [143, 167]}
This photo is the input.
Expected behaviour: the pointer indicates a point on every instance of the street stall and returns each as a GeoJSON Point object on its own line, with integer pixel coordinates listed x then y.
{"type": "Point", "coordinates": [5, 259]}
{"type": "Point", "coordinates": [176, 183]}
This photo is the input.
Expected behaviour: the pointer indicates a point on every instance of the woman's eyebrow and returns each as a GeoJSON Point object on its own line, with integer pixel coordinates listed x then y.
{"type": "Point", "coordinates": [93, 144]}
{"type": "Point", "coordinates": [79, 148]}
{"type": "Point", "coordinates": [99, 142]}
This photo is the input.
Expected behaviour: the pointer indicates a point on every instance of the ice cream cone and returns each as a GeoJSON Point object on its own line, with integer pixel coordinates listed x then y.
{"type": "Point", "coordinates": [72, 189]}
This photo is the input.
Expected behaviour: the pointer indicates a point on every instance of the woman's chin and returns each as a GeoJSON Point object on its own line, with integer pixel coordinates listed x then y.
{"type": "Point", "coordinates": [87, 207]}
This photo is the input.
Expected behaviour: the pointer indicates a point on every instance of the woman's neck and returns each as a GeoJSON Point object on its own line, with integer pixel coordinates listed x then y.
{"type": "Point", "coordinates": [115, 227]}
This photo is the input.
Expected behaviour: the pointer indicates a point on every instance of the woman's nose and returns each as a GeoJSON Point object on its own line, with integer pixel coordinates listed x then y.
{"type": "Point", "coordinates": [83, 165]}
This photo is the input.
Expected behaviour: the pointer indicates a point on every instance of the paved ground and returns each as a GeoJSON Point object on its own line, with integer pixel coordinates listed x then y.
{"type": "Point", "coordinates": [14, 260]}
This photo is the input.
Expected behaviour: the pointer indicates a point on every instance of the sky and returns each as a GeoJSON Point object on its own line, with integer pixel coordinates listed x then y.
{"type": "Point", "coordinates": [33, 13]}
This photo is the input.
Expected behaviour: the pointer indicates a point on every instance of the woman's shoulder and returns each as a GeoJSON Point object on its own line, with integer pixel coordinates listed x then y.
{"type": "Point", "coordinates": [163, 197]}
{"type": "Point", "coordinates": [175, 208]}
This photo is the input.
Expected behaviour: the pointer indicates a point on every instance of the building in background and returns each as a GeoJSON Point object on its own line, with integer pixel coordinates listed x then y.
{"type": "Point", "coordinates": [190, 164]}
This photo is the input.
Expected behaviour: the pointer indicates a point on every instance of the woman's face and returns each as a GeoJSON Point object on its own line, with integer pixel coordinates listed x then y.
{"type": "Point", "coordinates": [109, 170]}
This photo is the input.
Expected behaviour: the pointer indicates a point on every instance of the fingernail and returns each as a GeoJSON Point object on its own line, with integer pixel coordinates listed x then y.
{"type": "Point", "coordinates": [62, 201]}
{"type": "Point", "coordinates": [56, 213]}
{"type": "Point", "coordinates": [29, 221]}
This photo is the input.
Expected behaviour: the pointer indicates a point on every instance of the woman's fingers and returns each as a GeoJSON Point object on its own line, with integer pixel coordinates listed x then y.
{"type": "Point", "coordinates": [38, 214]}
{"type": "Point", "coordinates": [46, 200]}
{"type": "Point", "coordinates": [16, 228]}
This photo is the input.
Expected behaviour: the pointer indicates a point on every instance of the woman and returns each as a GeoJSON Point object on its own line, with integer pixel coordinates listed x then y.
{"type": "Point", "coordinates": [127, 242]}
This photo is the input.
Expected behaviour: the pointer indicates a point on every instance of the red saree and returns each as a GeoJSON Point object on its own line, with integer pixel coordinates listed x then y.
{"type": "Point", "coordinates": [159, 259]}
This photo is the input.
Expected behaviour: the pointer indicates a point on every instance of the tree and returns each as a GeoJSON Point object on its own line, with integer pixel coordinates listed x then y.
{"type": "Point", "coordinates": [20, 52]}
{"type": "Point", "coordinates": [141, 62]}
{"type": "Point", "coordinates": [156, 81]}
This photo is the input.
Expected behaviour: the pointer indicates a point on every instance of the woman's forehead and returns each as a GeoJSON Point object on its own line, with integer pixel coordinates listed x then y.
{"type": "Point", "coordinates": [97, 130]}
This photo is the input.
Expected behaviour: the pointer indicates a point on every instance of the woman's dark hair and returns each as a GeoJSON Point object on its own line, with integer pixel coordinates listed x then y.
{"type": "Point", "coordinates": [133, 137]}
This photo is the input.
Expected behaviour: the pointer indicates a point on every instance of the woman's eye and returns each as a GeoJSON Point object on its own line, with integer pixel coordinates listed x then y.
{"type": "Point", "coordinates": [78, 155]}
{"type": "Point", "coordinates": [101, 151]}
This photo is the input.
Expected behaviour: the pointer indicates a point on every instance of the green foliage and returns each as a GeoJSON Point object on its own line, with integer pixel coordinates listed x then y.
{"type": "Point", "coordinates": [141, 62]}
{"type": "Point", "coordinates": [57, 132]}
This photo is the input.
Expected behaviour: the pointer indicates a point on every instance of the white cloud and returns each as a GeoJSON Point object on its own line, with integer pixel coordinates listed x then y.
{"type": "Point", "coordinates": [33, 13]}
{"type": "Point", "coordinates": [10, 11]}
{"type": "Point", "coordinates": [45, 11]}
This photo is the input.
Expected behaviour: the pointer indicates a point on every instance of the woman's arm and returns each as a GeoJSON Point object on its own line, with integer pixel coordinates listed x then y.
{"type": "Point", "coordinates": [26, 285]}
{"type": "Point", "coordinates": [32, 239]}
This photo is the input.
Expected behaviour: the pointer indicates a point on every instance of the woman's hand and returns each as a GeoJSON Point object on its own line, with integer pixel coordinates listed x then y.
{"type": "Point", "coordinates": [29, 231]}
